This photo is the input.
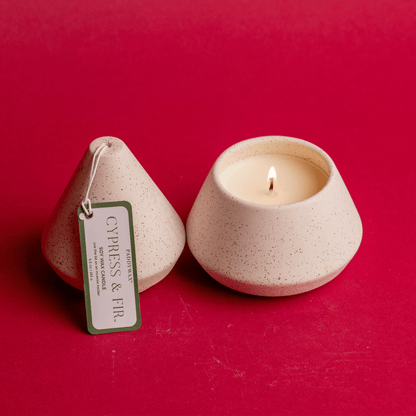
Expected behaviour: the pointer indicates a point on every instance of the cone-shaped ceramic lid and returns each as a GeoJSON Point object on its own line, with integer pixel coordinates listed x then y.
{"type": "Point", "coordinates": [158, 231]}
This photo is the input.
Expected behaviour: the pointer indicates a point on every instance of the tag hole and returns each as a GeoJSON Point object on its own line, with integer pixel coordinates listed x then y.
{"type": "Point", "coordinates": [83, 217]}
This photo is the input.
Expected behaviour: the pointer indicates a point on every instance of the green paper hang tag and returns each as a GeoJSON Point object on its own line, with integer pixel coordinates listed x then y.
{"type": "Point", "coordinates": [109, 267]}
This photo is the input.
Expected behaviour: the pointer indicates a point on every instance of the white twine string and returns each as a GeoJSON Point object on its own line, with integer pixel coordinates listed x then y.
{"type": "Point", "coordinates": [98, 153]}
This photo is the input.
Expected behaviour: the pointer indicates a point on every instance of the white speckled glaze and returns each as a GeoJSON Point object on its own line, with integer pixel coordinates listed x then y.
{"type": "Point", "coordinates": [159, 233]}
{"type": "Point", "coordinates": [276, 250]}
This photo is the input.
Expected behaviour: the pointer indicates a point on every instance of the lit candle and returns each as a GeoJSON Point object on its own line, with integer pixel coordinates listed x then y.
{"type": "Point", "coordinates": [299, 179]}
{"type": "Point", "coordinates": [274, 218]}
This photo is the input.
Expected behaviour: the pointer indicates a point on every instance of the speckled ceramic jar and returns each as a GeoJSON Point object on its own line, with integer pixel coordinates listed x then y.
{"type": "Point", "coordinates": [275, 250]}
{"type": "Point", "coordinates": [159, 233]}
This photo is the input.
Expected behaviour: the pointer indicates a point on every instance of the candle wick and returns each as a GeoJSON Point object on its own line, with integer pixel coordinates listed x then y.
{"type": "Point", "coordinates": [271, 185]}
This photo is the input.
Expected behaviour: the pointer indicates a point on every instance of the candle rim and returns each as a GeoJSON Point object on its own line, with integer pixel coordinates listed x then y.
{"type": "Point", "coordinates": [217, 166]}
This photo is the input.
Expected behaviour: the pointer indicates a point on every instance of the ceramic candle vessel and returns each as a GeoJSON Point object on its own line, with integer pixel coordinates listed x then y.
{"type": "Point", "coordinates": [274, 250]}
{"type": "Point", "coordinates": [159, 233]}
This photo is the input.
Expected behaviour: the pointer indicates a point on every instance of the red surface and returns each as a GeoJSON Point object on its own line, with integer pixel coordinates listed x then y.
{"type": "Point", "coordinates": [180, 81]}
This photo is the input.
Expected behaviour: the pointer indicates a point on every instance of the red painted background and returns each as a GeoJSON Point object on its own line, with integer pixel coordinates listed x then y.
{"type": "Point", "coordinates": [180, 81]}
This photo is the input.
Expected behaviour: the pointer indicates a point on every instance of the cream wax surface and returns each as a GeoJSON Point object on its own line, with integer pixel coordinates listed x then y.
{"type": "Point", "coordinates": [296, 179]}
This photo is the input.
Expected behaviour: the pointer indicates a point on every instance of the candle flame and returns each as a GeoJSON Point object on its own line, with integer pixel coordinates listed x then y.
{"type": "Point", "coordinates": [271, 177]}
{"type": "Point", "coordinates": [272, 173]}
